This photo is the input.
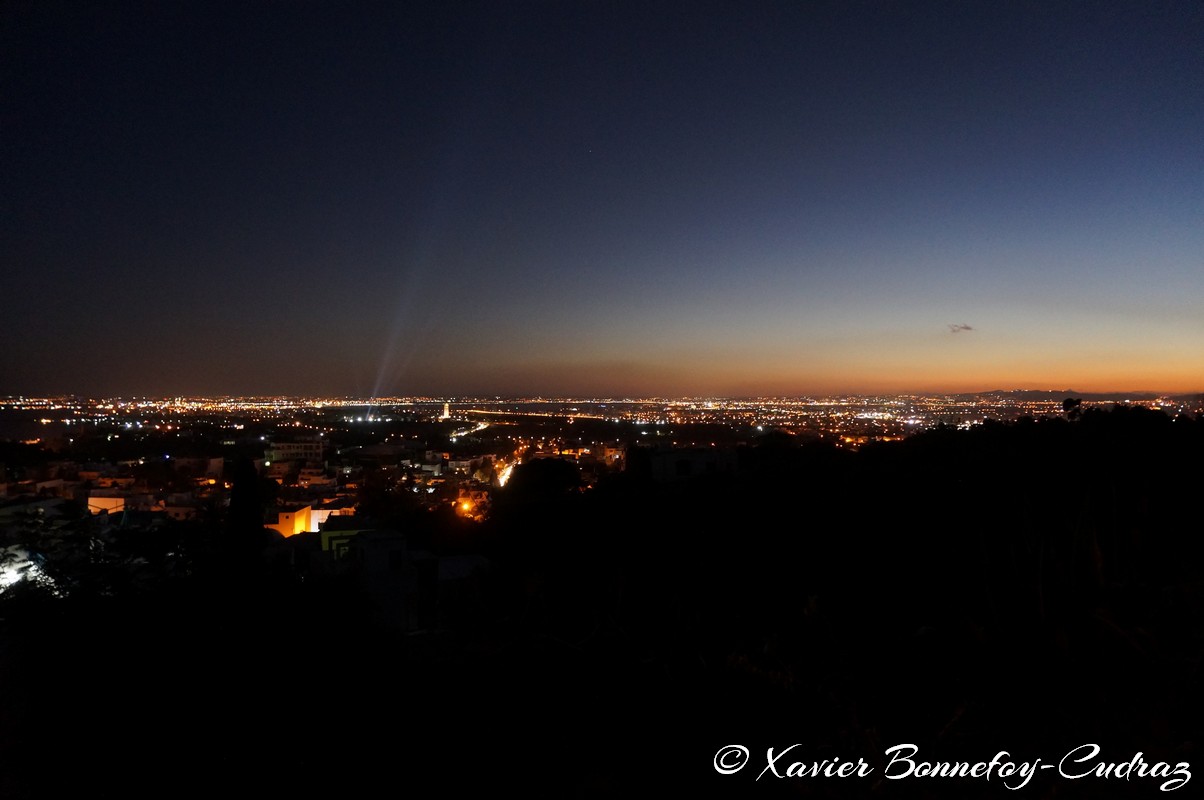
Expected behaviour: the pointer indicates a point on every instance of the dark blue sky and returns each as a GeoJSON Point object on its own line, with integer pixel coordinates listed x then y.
{"type": "Point", "coordinates": [604, 198]}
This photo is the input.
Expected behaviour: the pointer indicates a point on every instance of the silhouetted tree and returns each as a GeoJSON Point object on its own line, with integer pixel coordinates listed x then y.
{"type": "Point", "coordinates": [250, 496]}
{"type": "Point", "coordinates": [542, 480]}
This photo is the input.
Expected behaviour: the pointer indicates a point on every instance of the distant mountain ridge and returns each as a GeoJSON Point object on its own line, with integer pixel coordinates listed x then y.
{"type": "Point", "coordinates": [1060, 394]}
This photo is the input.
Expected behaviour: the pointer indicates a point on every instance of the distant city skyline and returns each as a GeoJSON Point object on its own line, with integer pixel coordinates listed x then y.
{"type": "Point", "coordinates": [628, 199]}
{"type": "Point", "coordinates": [444, 406]}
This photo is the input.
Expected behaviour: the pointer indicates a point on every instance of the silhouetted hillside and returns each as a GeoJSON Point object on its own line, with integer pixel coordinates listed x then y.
{"type": "Point", "coordinates": [1025, 587]}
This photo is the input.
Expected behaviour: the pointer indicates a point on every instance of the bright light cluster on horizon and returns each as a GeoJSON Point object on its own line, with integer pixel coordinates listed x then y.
{"type": "Point", "coordinates": [847, 418]}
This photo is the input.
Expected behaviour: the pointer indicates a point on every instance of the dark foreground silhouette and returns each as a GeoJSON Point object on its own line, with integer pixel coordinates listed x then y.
{"type": "Point", "coordinates": [1029, 587]}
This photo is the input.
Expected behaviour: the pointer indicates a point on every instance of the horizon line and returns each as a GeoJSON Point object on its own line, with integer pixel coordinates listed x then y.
{"type": "Point", "coordinates": [538, 397]}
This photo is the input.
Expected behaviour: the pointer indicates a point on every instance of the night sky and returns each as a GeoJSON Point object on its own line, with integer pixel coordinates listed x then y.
{"type": "Point", "coordinates": [601, 198]}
